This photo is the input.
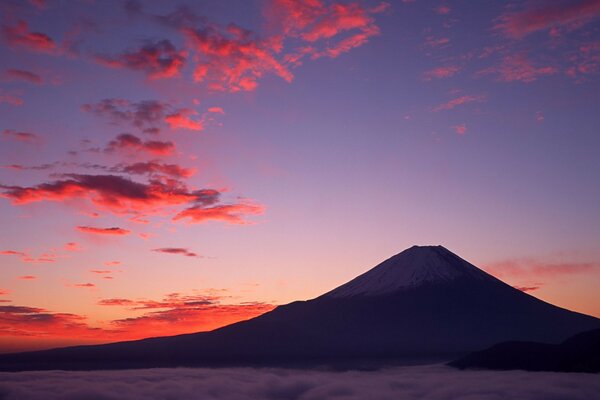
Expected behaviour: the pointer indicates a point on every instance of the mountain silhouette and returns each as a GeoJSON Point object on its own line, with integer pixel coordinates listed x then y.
{"type": "Point", "coordinates": [580, 353]}
{"type": "Point", "coordinates": [423, 303]}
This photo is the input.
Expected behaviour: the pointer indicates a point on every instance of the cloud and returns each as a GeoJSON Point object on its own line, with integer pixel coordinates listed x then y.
{"type": "Point", "coordinates": [232, 59]}
{"type": "Point", "coordinates": [176, 250]}
{"type": "Point", "coordinates": [529, 274]}
{"type": "Point", "coordinates": [127, 141]}
{"type": "Point", "coordinates": [181, 120]}
{"type": "Point", "coordinates": [570, 14]}
{"type": "Point", "coordinates": [84, 285]}
{"type": "Point", "coordinates": [518, 67]}
{"type": "Point", "coordinates": [19, 35]}
{"type": "Point", "coordinates": [72, 246]}
{"type": "Point", "coordinates": [179, 313]}
{"type": "Point", "coordinates": [431, 41]}
{"type": "Point", "coordinates": [153, 168]}
{"type": "Point", "coordinates": [158, 60]}
{"type": "Point", "coordinates": [458, 101]}
{"type": "Point", "coordinates": [460, 129]}
{"type": "Point", "coordinates": [10, 99]}
{"type": "Point", "coordinates": [216, 110]}
{"type": "Point", "coordinates": [22, 75]}
{"type": "Point", "coordinates": [230, 213]}
{"type": "Point", "coordinates": [526, 288]}
{"type": "Point", "coordinates": [431, 382]}
{"type": "Point", "coordinates": [112, 263]}
{"type": "Point", "coordinates": [27, 258]}
{"type": "Point", "coordinates": [101, 271]}
{"type": "Point", "coordinates": [143, 114]}
{"type": "Point", "coordinates": [441, 72]}
{"type": "Point", "coordinates": [442, 10]}
{"type": "Point", "coordinates": [20, 136]}
{"type": "Point", "coordinates": [27, 277]}
{"type": "Point", "coordinates": [123, 196]}
{"type": "Point", "coordinates": [104, 231]}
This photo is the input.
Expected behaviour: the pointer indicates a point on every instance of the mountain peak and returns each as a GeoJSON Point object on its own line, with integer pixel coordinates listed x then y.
{"type": "Point", "coordinates": [413, 267]}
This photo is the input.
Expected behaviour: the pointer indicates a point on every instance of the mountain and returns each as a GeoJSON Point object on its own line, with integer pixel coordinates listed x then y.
{"type": "Point", "coordinates": [423, 303]}
{"type": "Point", "coordinates": [580, 353]}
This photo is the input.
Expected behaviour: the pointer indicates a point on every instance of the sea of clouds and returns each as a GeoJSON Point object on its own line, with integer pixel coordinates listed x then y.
{"type": "Point", "coordinates": [435, 382]}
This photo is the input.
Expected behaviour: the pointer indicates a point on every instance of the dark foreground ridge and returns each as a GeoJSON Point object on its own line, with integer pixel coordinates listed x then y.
{"type": "Point", "coordinates": [425, 303]}
{"type": "Point", "coordinates": [580, 353]}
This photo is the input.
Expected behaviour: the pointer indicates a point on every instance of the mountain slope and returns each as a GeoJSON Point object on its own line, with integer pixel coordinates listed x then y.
{"type": "Point", "coordinates": [580, 353]}
{"type": "Point", "coordinates": [424, 302]}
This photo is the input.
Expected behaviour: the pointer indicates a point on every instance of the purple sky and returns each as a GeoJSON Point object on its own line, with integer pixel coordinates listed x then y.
{"type": "Point", "coordinates": [172, 167]}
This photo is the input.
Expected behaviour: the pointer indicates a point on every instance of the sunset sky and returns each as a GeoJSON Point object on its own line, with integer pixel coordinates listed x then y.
{"type": "Point", "coordinates": [171, 167]}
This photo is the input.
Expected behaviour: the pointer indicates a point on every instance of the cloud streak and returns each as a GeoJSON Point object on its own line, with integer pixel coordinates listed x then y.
{"type": "Point", "coordinates": [114, 231]}
{"type": "Point", "coordinates": [176, 250]}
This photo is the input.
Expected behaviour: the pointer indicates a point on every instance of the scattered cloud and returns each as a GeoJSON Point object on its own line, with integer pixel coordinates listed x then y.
{"type": "Point", "coordinates": [527, 288]}
{"type": "Point", "coordinates": [129, 142]}
{"type": "Point", "coordinates": [72, 246]}
{"type": "Point", "coordinates": [11, 99]}
{"type": "Point", "coordinates": [28, 258]}
{"type": "Point", "coordinates": [19, 35]}
{"type": "Point", "coordinates": [158, 60]}
{"type": "Point", "coordinates": [216, 110]}
{"type": "Point", "coordinates": [20, 136]}
{"type": "Point", "coordinates": [441, 72]}
{"type": "Point", "coordinates": [230, 213]}
{"type": "Point", "coordinates": [123, 196]}
{"type": "Point", "coordinates": [84, 285]}
{"type": "Point", "coordinates": [23, 76]}
{"type": "Point", "coordinates": [518, 67]}
{"type": "Point", "coordinates": [181, 119]}
{"type": "Point", "coordinates": [144, 114]}
{"type": "Point", "coordinates": [155, 168]}
{"type": "Point", "coordinates": [442, 10]}
{"type": "Point", "coordinates": [27, 277]}
{"type": "Point", "coordinates": [567, 14]}
{"type": "Point", "coordinates": [458, 101]}
{"type": "Point", "coordinates": [104, 231]}
{"type": "Point", "coordinates": [176, 250]}
{"type": "Point", "coordinates": [460, 129]}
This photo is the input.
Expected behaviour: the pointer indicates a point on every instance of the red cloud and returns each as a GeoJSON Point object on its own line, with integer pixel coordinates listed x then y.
{"type": "Point", "coordinates": [457, 102]}
{"type": "Point", "coordinates": [28, 277]}
{"type": "Point", "coordinates": [441, 72]}
{"type": "Point", "coordinates": [104, 231]}
{"type": "Point", "coordinates": [20, 136]}
{"type": "Point", "coordinates": [178, 313]}
{"type": "Point", "coordinates": [127, 141]}
{"type": "Point", "coordinates": [112, 263]}
{"type": "Point", "coordinates": [232, 59]}
{"type": "Point", "coordinates": [123, 196]}
{"type": "Point", "coordinates": [181, 120]}
{"type": "Point", "coordinates": [158, 60]}
{"type": "Point", "coordinates": [460, 129]}
{"type": "Point", "coordinates": [442, 10]}
{"type": "Point", "coordinates": [176, 250]}
{"type": "Point", "coordinates": [573, 14]}
{"type": "Point", "coordinates": [101, 271]}
{"type": "Point", "coordinates": [153, 167]}
{"type": "Point", "coordinates": [20, 35]}
{"type": "Point", "coordinates": [230, 213]}
{"type": "Point", "coordinates": [518, 67]}
{"type": "Point", "coordinates": [21, 75]}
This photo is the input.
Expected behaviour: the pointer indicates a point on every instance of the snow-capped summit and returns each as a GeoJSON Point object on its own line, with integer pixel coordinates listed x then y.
{"type": "Point", "coordinates": [413, 267]}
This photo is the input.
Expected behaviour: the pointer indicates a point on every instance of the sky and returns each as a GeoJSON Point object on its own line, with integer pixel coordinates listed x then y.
{"type": "Point", "coordinates": [172, 167]}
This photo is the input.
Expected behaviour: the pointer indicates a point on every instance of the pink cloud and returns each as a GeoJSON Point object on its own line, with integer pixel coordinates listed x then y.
{"type": "Point", "coordinates": [176, 250]}
{"type": "Point", "coordinates": [158, 60]}
{"type": "Point", "coordinates": [27, 277]}
{"type": "Point", "coordinates": [460, 129]}
{"type": "Point", "coordinates": [441, 72]}
{"type": "Point", "coordinates": [20, 136]}
{"type": "Point", "coordinates": [20, 36]}
{"type": "Point", "coordinates": [536, 269]}
{"type": "Point", "coordinates": [458, 101]}
{"type": "Point", "coordinates": [230, 213]}
{"type": "Point", "coordinates": [114, 231]}
{"type": "Point", "coordinates": [10, 99]}
{"type": "Point", "coordinates": [550, 15]}
{"type": "Point", "coordinates": [216, 110]}
{"type": "Point", "coordinates": [517, 67]}
{"type": "Point", "coordinates": [127, 141]}
{"type": "Point", "coordinates": [21, 75]}
{"type": "Point", "coordinates": [443, 10]}
{"type": "Point", "coordinates": [181, 119]}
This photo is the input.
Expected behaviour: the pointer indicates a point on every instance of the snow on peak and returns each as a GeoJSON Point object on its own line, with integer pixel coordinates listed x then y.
{"type": "Point", "coordinates": [412, 267]}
